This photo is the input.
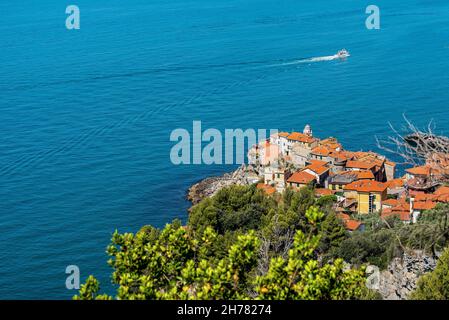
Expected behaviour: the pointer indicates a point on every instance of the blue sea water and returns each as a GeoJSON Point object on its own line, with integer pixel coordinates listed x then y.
{"type": "Point", "coordinates": [86, 115]}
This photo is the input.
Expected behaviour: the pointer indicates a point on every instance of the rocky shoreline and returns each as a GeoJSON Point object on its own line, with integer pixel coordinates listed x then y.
{"type": "Point", "coordinates": [208, 187]}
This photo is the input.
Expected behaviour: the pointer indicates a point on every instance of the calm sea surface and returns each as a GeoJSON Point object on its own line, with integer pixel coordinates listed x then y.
{"type": "Point", "coordinates": [86, 115]}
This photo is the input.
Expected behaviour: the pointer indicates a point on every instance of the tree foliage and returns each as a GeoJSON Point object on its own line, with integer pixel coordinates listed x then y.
{"type": "Point", "coordinates": [176, 263]}
{"type": "Point", "coordinates": [384, 240]}
{"type": "Point", "coordinates": [243, 244]}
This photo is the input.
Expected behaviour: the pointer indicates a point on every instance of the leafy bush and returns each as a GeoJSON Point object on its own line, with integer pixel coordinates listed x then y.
{"type": "Point", "coordinates": [176, 265]}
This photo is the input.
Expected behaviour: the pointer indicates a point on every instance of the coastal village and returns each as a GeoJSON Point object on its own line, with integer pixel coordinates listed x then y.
{"type": "Point", "coordinates": [363, 182]}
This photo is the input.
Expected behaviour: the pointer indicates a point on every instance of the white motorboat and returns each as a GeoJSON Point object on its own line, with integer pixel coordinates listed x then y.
{"type": "Point", "coordinates": [343, 53]}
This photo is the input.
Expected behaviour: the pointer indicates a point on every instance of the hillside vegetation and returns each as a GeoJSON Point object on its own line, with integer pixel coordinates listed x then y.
{"type": "Point", "coordinates": [243, 244]}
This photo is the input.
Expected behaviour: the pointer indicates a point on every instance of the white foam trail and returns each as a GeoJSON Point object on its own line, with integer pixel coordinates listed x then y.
{"type": "Point", "coordinates": [326, 58]}
{"type": "Point", "coordinates": [315, 59]}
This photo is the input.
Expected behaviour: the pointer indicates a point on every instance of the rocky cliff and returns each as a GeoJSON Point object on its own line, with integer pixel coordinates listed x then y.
{"type": "Point", "coordinates": [402, 274]}
{"type": "Point", "coordinates": [210, 186]}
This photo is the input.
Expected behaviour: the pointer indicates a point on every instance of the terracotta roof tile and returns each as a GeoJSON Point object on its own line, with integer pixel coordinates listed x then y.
{"type": "Point", "coordinates": [425, 197]}
{"type": "Point", "coordinates": [360, 164]}
{"type": "Point", "coordinates": [424, 205]}
{"type": "Point", "coordinates": [323, 192]}
{"type": "Point", "coordinates": [403, 215]}
{"type": "Point", "coordinates": [321, 151]}
{"type": "Point", "coordinates": [318, 162]}
{"type": "Point", "coordinates": [443, 198]}
{"type": "Point", "coordinates": [395, 183]}
{"type": "Point", "coordinates": [297, 136]}
{"type": "Point", "coordinates": [352, 224]}
{"type": "Point", "coordinates": [267, 188]}
{"type": "Point", "coordinates": [317, 168]}
{"type": "Point", "coordinates": [402, 205]}
{"type": "Point", "coordinates": [422, 171]}
{"type": "Point", "coordinates": [390, 202]}
{"type": "Point", "coordinates": [301, 177]}
{"type": "Point", "coordinates": [442, 190]}
{"type": "Point", "coordinates": [366, 186]}
{"type": "Point", "coordinates": [365, 174]}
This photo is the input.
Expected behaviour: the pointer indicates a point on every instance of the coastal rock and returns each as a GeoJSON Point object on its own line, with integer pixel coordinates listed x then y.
{"type": "Point", "coordinates": [402, 274]}
{"type": "Point", "coordinates": [208, 187]}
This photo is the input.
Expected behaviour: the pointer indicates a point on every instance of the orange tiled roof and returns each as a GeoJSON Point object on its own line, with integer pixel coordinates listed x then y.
{"type": "Point", "coordinates": [366, 186]}
{"type": "Point", "coordinates": [301, 177]}
{"type": "Point", "coordinates": [395, 183]}
{"type": "Point", "coordinates": [359, 175]}
{"type": "Point", "coordinates": [390, 202]}
{"type": "Point", "coordinates": [424, 205]}
{"type": "Point", "coordinates": [318, 162]}
{"type": "Point", "coordinates": [321, 151]}
{"type": "Point", "coordinates": [442, 190]}
{"type": "Point", "coordinates": [401, 206]}
{"type": "Point", "coordinates": [425, 197]}
{"type": "Point", "coordinates": [317, 168]}
{"type": "Point", "coordinates": [443, 198]}
{"type": "Point", "coordinates": [267, 188]}
{"type": "Point", "coordinates": [440, 195]}
{"type": "Point", "coordinates": [359, 154]}
{"type": "Point", "coordinates": [360, 164]}
{"type": "Point", "coordinates": [352, 224]}
{"type": "Point", "coordinates": [283, 134]}
{"type": "Point", "coordinates": [367, 154]}
{"type": "Point", "coordinates": [404, 215]}
{"type": "Point", "coordinates": [331, 143]}
{"type": "Point", "coordinates": [365, 174]}
{"type": "Point", "coordinates": [297, 136]}
{"type": "Point", "coordinates": [342, 155]}
{"type": "Point", "coordinates": [414, 193]}
{"type": "Point", "coordinates": [421, 171]}
{"type": "Point", "coordinates": [323, 192]}
{"type": "Point", "coordinates": [348, 154]}
{"type": "Point", "coordinates": [370, 157]}
{"type": "Point", "coordinates": [329, 140]}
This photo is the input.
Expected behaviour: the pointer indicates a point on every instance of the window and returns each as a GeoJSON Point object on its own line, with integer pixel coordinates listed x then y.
{"type": "Point", "coordinates": [372, 205]}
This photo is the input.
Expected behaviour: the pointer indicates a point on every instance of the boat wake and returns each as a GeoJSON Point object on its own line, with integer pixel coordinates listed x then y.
{"type": "Point", "coordinates": [340, 55]}
{"type": "Point", "coordinates": [308, 60]}
{"type": "Point", "coordinates": [325, 58]}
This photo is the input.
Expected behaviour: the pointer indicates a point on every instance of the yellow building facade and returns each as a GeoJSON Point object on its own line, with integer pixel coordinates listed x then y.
{"type": "Point", "coordinates": [370, 202]}
{"type": "Point", "coordinates": [368, 194]}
